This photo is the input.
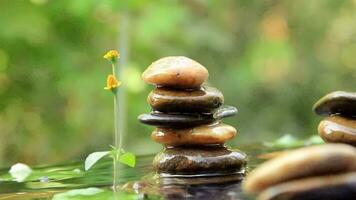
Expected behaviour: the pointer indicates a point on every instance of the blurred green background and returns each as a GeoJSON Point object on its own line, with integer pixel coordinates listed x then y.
{"type": "Point", "coordinates": [271, 59]}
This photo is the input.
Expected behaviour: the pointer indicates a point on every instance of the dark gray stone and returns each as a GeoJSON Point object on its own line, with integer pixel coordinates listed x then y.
{"type": "Point", "coordinates": [185, 120]}
{"type": "Point", "coordinates": [168, 100]}
{"type": "Point", "coordinates": [337, 103]}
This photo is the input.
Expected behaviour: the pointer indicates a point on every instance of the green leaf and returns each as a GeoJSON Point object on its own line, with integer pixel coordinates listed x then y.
{"type": "Point", "coordinates": [94, 158]}
{"type": "Point", "coordinates": [289, 141]}
{"type": "Point", "coordinates": [284, 141]}
{"type": "Point", "coordinates": [315, 139]}
{"type": "Point", "coordinates": [128, 159]}
{"type": "Point", "coordinates": [20, 172]}
{"type": "Point", "coordinates": [76, 194]}
{"type": "Point", "coordinates": [101, 194]}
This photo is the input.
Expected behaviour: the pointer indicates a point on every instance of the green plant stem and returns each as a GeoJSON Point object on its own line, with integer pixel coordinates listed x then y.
{"type": "Point", "coordinates": [118, 139]}
{"type": "Point", "coordinates": [113, 69]}
{"type": "Point", "coordinates": [115, 172]}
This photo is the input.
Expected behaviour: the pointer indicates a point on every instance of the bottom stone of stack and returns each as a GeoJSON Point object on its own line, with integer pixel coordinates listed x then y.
{"type": "Point", "coordinates": [199, 161]}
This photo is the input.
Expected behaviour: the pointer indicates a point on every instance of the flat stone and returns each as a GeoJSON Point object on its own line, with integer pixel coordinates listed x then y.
{"type": "Point", "coordinates": [203, 100]}
{"type": "Point", "coordinates": [176, 71]}
{"type": "Point", "coordinates": [339, 102]}
{"type": "Point", "coordinates": [334, 187]}
{"type": "Point", "coordinates": [337, 129]}
{"type": "Point", "coordinates": [186, 120]}
{"type": "Point", "coordinates": [201, 161]}
{"type": "Point", "coordinates": [217, 133]}
{"type": "Point", "coordinates": [318, 160]}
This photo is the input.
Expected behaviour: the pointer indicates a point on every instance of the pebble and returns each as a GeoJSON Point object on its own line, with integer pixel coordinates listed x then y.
{"type": "Point", "coordinates": [339, 102]}
{"type": "Point", "coordinates": [217, 133]}
{"type": "Point", "coordinates": [177, 72]}
{"type": "Point", "coordinates": [337, 129]}
{"type": "Point", "coordinates": [334, 187]}
{"type": "Point", "coordinates": [203, 100]}
{"type": "Point", "coordinates": [199, 161]}
{"type": "Point", "coordinates": [185, 120]}
{"type": "Point", "coordinates": [305, 162]}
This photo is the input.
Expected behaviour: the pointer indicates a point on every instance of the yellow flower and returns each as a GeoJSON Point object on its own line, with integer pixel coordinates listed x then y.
{"type": "Point", "coordinates": [112, 55]}
{"type": "Point", "coordinates": [112, 82]}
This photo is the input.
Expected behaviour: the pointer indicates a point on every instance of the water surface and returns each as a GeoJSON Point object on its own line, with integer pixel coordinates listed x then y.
{"type": "Point", "coordinates": [70, 181]}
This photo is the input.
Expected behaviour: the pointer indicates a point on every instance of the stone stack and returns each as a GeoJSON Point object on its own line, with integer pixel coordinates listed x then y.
{"type": "Point", "coordinates": [319, 172]}
{"type": "Point", "coordinates": [339, 126]}
{"type": "Point", "coordinates": [325, 171]}
{"type": "Point", "coordinates": [187, 116]}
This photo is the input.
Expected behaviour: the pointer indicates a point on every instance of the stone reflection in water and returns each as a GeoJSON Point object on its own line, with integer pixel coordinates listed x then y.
{"type": "Point", "coordinates": [224, 191]}
{"type": "Point", "coordinates": [188, 118]}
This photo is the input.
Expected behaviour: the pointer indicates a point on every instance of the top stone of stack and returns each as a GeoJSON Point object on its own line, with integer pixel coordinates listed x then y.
{"type": "Point", "coordinates": [337, 103]}
{"type": "Point", "coordinates": [177, 72]}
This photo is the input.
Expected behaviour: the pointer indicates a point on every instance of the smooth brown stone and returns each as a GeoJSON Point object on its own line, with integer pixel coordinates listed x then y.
{"type": "Point", "coordinates": [176, 71]}
{"type": "Point", "coordinates": [337, 103]}
{"type": "Point", "coordinates": [199, 161]}
{"type": "Point", "coordinates": [206, 99]}
{"type": "Point", "coordinates": [334, 187]}
{"type": "Point", "coordinates": [201, 135]}
{"type": "Point", "coordinates": [318, 160]}
{"type": "Point", "coordinates": [338, 129]}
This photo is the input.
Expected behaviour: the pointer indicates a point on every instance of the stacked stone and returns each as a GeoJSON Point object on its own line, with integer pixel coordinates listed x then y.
{"type": "Point", "coordinates": [318, 172]}
{"type": "Point", "coordinates": [325, 171]}
{"type": "Point", "coordinates": [339, 126]}
{"type": "Point", "coordinates": [187, 116]}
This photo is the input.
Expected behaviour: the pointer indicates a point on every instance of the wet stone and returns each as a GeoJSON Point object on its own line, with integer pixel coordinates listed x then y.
{"type": "Point", "coordinates": [203, 100]}
{"type": "Point", "coordinates": [337, 129]}
{"type": "Point", "coordinates": [186, 120]}
{"type": "Point", "coordinates": [177, 72]}
{"type": "Point", "coordinates": [334, 187]}
{"type": "Point", "coordinates": [318, 160]}
{"type": "Point", "coordinates": [339, 102]}
{"type": "Point", "coordinates": [202, 161]}
{"type": "Point", "coordinates": [217, 133]}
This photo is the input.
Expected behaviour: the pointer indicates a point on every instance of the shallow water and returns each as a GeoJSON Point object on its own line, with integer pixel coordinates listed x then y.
{"type": "Point", "coordinates": [70, 181]}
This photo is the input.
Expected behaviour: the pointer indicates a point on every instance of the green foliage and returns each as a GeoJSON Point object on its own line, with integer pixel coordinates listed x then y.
{"type": "Point", "coordinates": [19, 172]}
{"type": "Point", "coordinates": [271, 59]}
{"type": "Point", "coordinates": [87, 193]}
{"type": "Point", "coordinates": [289, 141]}
{"type": "Point", "coordinates": [93, 158]}
{"type": "Point", "coordinates": [97, 193]}
{"type": "Point", "coordinates": [126, 158]}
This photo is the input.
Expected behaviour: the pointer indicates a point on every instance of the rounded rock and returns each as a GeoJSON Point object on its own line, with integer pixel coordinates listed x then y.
{"type": "Point", "coordinates": [202, 161]}
{"type": "Point", "coordinates": [305, 162]}
{"type": "Point", "coordinates": [176, 71]}
{"type": "Point", "coordinates": [334, 187]}
{"type": "Point", "coordinates": [203, 100]}
{"type": "Point", "coordinates": [217, 133]}
{"type": "Point", "coordinates": [337, 129]}
{"type": "Point", "coordinates": [176, 120]}
{"type": "Point", "coordinates": [339, 103]}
